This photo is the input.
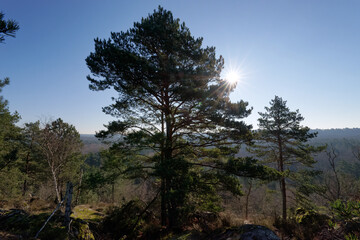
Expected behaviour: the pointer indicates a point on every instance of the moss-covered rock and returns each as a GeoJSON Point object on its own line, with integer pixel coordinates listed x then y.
{"type": "Point", "coordinates": [81, 230]}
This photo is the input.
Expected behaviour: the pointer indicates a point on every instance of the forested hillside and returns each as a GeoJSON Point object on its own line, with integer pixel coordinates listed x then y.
{"type": "Point", "coordinates": [91, 144]}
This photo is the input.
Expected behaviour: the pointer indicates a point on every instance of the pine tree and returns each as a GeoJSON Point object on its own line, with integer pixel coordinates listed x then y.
{"type": "Point", "coordinates": [174, 111]}
{"type": "Point", "coordinates": [282, 143]}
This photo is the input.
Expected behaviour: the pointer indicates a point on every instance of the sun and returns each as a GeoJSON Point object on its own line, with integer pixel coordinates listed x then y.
{"type": "Point", "coordinates": [232, 76]}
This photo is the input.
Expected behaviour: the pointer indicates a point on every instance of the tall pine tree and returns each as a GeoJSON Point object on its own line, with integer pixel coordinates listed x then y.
{"type": "Point", "coordinates": [173, 108]}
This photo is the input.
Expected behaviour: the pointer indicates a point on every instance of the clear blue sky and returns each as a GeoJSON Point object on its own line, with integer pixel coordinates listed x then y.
{"type": "Point", "coordinates": [307, 52]}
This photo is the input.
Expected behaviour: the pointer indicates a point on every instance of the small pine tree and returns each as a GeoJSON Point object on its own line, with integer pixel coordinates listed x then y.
{"type": "Point", "coordinates": [282, 143]}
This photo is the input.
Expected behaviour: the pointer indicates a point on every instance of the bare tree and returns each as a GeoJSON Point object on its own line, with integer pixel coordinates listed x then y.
{"type": "Point", "coordinates": [334, 193]}
{"type": "Point", "coordinates": [356, 152]}
{"type": "Point", "coordinates": [59, 142]}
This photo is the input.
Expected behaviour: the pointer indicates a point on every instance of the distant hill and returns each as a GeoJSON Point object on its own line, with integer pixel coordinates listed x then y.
{"type": "Point", "coordinates": [348, 133]}
{"type": "Point", "coordinates": [91, 144]}
{"type": "Point", "coordinates": [345, 143]}
{"type": "Point", "coordinates": [344, 140]}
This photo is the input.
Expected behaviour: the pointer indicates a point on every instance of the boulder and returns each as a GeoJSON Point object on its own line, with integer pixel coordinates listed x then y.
{"type": "Point", "coordinates": [247, 232]}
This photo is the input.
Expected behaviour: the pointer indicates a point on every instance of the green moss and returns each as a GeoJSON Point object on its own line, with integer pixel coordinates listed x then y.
{"type": "Point", "coordinates": [85, 213]}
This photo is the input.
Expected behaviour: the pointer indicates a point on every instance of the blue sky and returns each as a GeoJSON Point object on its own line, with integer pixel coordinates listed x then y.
{"type": "Point", "coordinates": [306, 52]}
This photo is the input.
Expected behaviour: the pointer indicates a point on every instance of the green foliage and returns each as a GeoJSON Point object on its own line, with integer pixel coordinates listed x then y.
{"type": "Point", "coordinates": [10, 136]}
{"type": "Point", "coordinates": [351, 236]}
{"type": "Point", "coordinates": [11, 180]}
{"type": "Point", "coordinates": [304, 224]}
{"type": "Point", "coordinates": [31, 162]}
{"type": "Point", "coordinates": [9, 132]}
{"type": "Point", "coordinates": [309, 217]}
{"type": "Point", "coordinates": [347, 211]}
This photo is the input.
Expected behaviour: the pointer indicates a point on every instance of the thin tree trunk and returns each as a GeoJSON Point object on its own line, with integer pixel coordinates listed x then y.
{"type": "Point", "coordinates": [47, 220]}
{"type": "Point", "coordinates": [27, 163]}
{"type": "Point", "coordinates": [163, 185]}
{"type": "Point", "coordinates": [58, 196]}
{"type": "Point", "coordinates": [331, 158]}
{"type": "Point", "coordinates": [283, 194]}
{"type": "Point", "coordinates": [113, 192]}
{"type": "Point", "coordinates": [247, 200]}
{"type": "Point", "coordinates": [163, 202]}
{"type": "Point", "coordinates": [79, 187]}
{"type": "Point", "coordinates": [282, 180]}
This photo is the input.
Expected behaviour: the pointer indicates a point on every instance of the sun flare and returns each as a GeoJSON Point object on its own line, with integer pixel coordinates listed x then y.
{"type": "Point", "coordinates": [232, 76]}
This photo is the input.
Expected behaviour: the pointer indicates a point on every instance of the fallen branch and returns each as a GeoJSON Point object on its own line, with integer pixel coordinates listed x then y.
{"type": "Point", "coordinates": [57, 208]}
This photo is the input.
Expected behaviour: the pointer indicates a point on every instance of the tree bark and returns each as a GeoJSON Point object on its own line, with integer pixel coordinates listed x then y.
{"type": "Point", "coordinates": [247, 200]}
{"type": "Point", "coordinates": [168, 156]}
{"type": "Point", "coordinates": [58, 196]}
{"type": "Point", "coordinates": [79, 187]}
{"type": "Point", "coordinates": [282, 180]}
{"type": "Point", "coordinates": [68, 196]}
{"type": "Point", "coordinates": [163, 186]}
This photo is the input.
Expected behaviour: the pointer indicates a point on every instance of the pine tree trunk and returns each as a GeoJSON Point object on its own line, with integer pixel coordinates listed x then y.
{"type": "Point", "coordinates": [168, 157]}
{"type": "Point", "coordinates": [79, 188]}
{"type": "Point", "coordinates": [283, 195]}
{"type": "Point", "coordinates": [282, 180]}
{"type": "Point", "coordinates": [163, 203]}
{"type": "Point", "coordinates": [163, 185]}
{"type": "Point", "coordinates": [27, 169]}
{"type": "Point", "coordinates": [247, 200]}
{"type": "Point", "coordinates": [113, 192]}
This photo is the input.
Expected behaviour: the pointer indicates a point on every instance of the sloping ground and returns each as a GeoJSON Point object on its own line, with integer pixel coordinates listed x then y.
{"type": "Point", "coordinates": [21, 225]}
{"type": "Point", "coordinates": [18, 224]}
{"type": "Point", "coordinates": [86, 224]}
{"type": "Point", "coordinates": [9, 236]}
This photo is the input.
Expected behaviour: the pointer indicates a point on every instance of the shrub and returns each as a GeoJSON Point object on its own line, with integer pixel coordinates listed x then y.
{"type": "Point", "coordinates": [348, 214]}
{"type": "Point", "coordinates": [124, 221]}
{"type": "Point", "coordinates": [305, 224]}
